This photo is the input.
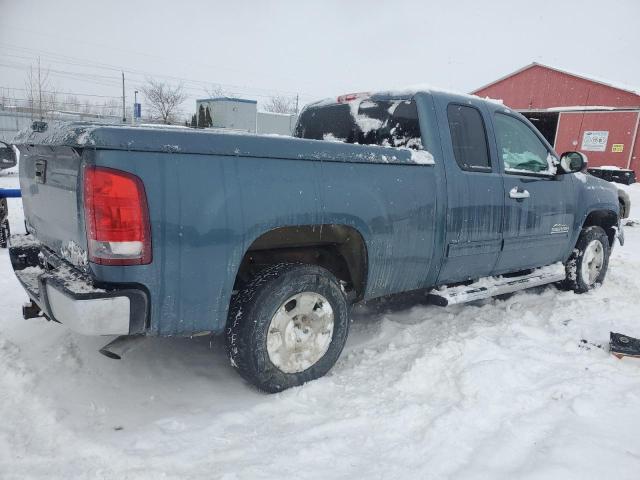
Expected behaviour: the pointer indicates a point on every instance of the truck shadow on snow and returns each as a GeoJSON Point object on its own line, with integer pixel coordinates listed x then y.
{"type": "Point", "coordinates": [206, 356]}
{"type": "Point", "coordinates": [179, 377]}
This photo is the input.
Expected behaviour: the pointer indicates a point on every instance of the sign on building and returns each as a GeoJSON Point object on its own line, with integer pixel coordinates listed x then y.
{"type": "Point", "coordinates": [617, 147]}
{"type": "Point", "coordinates": [595, 141]}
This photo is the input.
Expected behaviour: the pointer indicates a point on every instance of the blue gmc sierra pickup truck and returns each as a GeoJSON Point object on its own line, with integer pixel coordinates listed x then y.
{"type": "Point", "coordinates": [136, 231]}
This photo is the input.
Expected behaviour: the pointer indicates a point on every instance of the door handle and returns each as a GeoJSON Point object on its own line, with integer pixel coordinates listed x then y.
{"type": "Point", "coordinates": [518, 193]}
{"type": "Point", "coordinates": [41, 169]}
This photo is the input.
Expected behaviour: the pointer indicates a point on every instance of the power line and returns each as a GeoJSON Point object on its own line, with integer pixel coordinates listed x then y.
{"type": "Point", "coordinates": [128, 51]}
{"type": "Point", "coordinates": [61, 93]}
{"type": "Point", "coordinates": [115, 107]}
{"type": "Point", "coordinates": [114, 82]}
{"type": "Point", "coordinates": [112, 48]}
{"type": "Point", "coordinates": [104, 80]}
{"type": "Point", "coordinates": [76, 61]}
{"type": "Point", "coordinates": [64, 74]}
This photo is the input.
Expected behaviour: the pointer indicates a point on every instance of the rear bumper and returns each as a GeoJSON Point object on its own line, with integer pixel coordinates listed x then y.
{"type": "Point", "coordinates": [68, 296]}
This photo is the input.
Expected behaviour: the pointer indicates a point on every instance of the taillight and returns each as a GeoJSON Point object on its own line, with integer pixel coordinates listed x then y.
{"type": "Point", "coordinates": [116, 217]}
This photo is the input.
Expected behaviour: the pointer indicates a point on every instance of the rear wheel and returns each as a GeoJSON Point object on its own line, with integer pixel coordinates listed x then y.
{"type": "Point", "coordinates": [5, 233]}
{"type": "Point", "coordinates": [287, 326]}
{"type": "Point", "coordinates": [587, 266]}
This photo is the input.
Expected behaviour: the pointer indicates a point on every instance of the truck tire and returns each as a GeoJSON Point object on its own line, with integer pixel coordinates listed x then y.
{"type": "Point", "coordinates": [5, 233]}
{"type": "Point", "coordinates": [587, 265]}
{"type": "Point", "coordinates": [287, 326]}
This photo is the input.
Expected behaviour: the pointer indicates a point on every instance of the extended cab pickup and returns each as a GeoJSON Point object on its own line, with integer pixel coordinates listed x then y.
{"type": "Point", "coordinates": [136, 231]}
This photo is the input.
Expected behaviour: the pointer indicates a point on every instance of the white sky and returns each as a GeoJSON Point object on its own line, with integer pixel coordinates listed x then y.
{"type": "Point", "coordinates": [317, 49]}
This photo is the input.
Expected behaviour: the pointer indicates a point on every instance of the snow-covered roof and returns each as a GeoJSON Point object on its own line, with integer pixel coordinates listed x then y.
{"type": "Point", "coordinates": [580, 108]}
{"type": "Point", "coordinates": [400, 92]}
{"type": "Point", "coordinates": [226, 99]}
{"type": "Point", "coordinates": [590, 78]}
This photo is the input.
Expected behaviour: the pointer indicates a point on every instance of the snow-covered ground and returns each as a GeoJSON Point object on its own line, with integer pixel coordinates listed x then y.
{"type": "Point", "coordinates": [502, 389]}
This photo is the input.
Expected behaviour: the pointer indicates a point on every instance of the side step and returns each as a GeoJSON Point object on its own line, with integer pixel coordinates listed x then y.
{"type": "Point", "coordinates": [492, 286]}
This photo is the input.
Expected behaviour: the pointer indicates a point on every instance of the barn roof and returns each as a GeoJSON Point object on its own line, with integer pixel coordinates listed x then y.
{"type": "Point", "coordinates": [590, 78]}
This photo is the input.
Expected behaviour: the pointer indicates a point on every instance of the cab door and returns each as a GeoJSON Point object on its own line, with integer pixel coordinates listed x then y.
{"type": "Point", "coordinates": [474, 193]}
{"type": "Point", "coordinates": [539, 205]}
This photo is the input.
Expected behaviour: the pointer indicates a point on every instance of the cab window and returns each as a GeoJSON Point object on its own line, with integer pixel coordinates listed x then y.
{"type": "Point", "coordinates": [388, 123]}
{"type": "Point", "coordinates": [520, 148]}
{"type": "Point", "coordinates": [468, 138]}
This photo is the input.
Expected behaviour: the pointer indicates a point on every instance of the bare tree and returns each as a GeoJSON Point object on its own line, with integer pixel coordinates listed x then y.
{"type": "Point", "coordinates": [71, 102]}
{"type": "Point", "coordinates": [164, 100]}
{"type": "Point", "coordinates": [111, 107]}
{"type": "Point", "coordinates": [280, 104]}
{"type": "Point", "coordinates": [50, 101]}
{"type": "Point", "coordinates": [87, 107]}
{"type": "Point", "coordinates": [37, 85]}
{"type": "Point", "coordinates": [217, 90]}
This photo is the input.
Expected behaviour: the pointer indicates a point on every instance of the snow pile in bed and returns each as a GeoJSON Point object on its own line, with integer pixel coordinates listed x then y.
{"type": "Point", "coordinates": [517, 388]}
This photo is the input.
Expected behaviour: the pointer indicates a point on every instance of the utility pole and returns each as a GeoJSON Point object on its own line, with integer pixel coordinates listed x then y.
{"type": "Point", "coordinates": [39, 91]}
{"type": "Point", "coordinates": [135, 104]}
{"type": "Point", "coordinates": [124, 113]}
{"type": "Point", "coordinates": [297, 100]}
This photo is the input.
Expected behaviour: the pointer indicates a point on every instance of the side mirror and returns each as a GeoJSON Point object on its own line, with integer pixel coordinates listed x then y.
{"type": "Point", "coordinates": [572, 162]}
{"type": "Point", "coordinates": [7, 156]}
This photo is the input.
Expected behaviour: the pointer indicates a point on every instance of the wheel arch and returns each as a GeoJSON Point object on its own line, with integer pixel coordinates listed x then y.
{"type": "Point", "coordinates": [339, 248]}
{"type": "Point", "coordinates": [625, 203]}
{"type": "Point", "coordinates": [605, 218]}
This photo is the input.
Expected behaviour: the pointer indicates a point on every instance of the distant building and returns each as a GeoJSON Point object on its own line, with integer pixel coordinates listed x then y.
{"type": "Point", "coordinates": [279, 123]}
{"type": "Point", "coordinates": [242, 114]}
{"type": "Point", "coordinates": [575, 112]}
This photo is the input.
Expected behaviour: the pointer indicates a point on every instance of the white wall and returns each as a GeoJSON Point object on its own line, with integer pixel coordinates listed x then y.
{"type": "Point", "coordinates": [279, 123]}
{"type": "Point", "coordinates": [244, 116]}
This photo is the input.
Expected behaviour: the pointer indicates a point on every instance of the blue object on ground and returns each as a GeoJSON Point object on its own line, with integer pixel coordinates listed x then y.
{"type": "Point", "coordinates": [10, 193]}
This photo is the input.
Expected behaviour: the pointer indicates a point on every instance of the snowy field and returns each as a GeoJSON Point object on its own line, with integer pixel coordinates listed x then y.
{"type": "Point", "coordinates": [502, 389]}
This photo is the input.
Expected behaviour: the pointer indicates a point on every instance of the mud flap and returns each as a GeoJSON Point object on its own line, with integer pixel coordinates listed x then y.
{"type": "Point", "coordinates": [624, 346]}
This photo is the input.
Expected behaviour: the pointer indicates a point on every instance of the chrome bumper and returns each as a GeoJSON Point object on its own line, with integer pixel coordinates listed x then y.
{"type": "Point", "coordinates": [93, 316]}
{"type": "Point", "coordinates": [63, 294]}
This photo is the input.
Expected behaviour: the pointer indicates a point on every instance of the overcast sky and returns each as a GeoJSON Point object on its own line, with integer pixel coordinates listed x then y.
{"type": "Point", "coordinates": [317, 49]}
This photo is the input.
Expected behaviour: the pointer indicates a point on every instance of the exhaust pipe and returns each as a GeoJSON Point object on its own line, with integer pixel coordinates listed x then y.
{"type": "Point", "coordinates": [120, 346]}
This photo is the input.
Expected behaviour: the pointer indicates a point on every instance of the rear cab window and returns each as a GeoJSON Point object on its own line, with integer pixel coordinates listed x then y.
{"type": "Point", "coordinates": [468, 138]}
{"type": "Point", "coordinates": [328, 122]}
{"type": "Point", "coordinates": [387, 123]}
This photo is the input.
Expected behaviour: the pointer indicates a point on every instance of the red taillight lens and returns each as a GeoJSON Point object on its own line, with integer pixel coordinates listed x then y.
{"type": "Point", "coordinates": [350, 97]}
{"type": "Point", "coordinates": [116, 217]}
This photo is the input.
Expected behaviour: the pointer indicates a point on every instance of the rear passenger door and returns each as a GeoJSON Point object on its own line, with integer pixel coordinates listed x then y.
{"type": "Point", "coordinates": [474, 194]}
{"type": "Point", "coordinates": [539, 205]}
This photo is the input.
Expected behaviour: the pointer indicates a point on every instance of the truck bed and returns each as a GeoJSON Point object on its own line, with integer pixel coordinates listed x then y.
{"type": "Point", "coordinates": [212, 194]}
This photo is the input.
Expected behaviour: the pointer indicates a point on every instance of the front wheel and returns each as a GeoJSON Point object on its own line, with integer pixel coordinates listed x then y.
{"type": "Point", "coordinates": [287, 326]}
{"type": "Point", "coordinates": [587, 265]}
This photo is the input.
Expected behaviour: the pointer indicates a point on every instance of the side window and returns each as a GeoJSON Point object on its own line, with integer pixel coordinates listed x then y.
{"type": "Point", "coordinates": [521, 149]}
{"type": "Point", "coordinates": [468, 138]}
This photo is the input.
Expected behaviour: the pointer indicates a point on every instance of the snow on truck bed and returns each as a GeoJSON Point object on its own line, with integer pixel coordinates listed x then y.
{"type": "Point", "coordinates": [502, 389]}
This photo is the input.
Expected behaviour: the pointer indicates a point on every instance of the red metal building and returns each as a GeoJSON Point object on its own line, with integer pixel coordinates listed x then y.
{"type": "Point", "coordinates": [574, 112]}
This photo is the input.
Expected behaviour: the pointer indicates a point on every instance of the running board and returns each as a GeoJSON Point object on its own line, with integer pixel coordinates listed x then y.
{"type": "Point", "coordinates": [492, 286]}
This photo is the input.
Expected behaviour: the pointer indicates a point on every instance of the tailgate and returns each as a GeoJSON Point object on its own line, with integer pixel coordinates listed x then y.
{"type": "Point", "coordinates": [50, 180]}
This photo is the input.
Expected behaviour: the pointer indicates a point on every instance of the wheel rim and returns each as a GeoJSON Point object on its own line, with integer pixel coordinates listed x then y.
{"type": "Point", "coordinates": [300, 332]}
{"type": "Point", "coordinates": [592, 261]}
